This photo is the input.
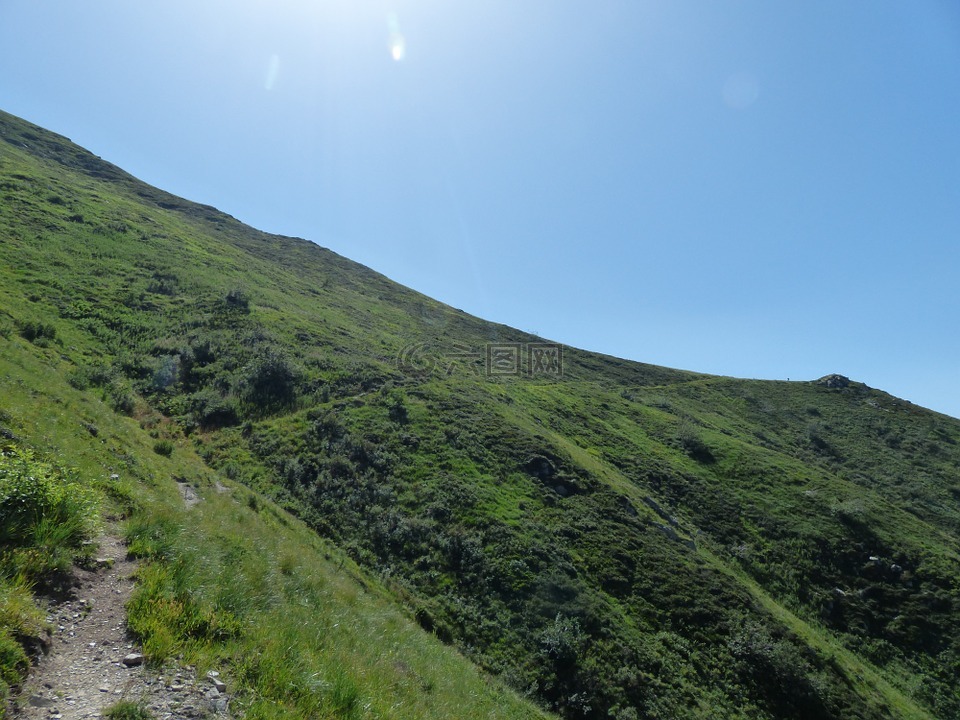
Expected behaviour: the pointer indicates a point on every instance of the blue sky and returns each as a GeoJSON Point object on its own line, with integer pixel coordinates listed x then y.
{"type": "Point", "coordinates": [747, 188]}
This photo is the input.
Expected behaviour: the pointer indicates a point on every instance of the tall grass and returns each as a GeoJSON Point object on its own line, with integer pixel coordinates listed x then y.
{"type": "Point", "coordinates": [45, 517]}
{"type": "Point", "coordinates": [291, 623]}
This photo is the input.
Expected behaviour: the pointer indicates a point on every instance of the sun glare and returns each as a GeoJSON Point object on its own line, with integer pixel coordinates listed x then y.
{"type": "Point", "coordinates": [398, 46]}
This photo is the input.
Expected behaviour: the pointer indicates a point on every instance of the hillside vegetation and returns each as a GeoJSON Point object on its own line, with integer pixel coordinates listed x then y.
{"type": "Point", "coordinates": [608, 538]}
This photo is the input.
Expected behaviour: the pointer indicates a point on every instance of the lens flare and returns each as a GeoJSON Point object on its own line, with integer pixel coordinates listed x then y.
{"type": "Point", "coordinates": [396, 43]}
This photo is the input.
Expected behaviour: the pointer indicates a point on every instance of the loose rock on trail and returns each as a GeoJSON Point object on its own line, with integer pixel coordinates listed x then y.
{"type": "Point", "coordinates": [92, 663]}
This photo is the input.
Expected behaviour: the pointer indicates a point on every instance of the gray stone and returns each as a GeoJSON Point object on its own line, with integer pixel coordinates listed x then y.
{"type": "Point", "coordinates": [834, 381]}
{"type": "Point", "coordinates": [133, 659]}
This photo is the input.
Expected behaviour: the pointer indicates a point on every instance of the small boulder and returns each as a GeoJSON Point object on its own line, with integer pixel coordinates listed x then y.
{"type": "Point", "coordinates": [214, 677]}
{"type": "Point", "coordinates": [133, 660]}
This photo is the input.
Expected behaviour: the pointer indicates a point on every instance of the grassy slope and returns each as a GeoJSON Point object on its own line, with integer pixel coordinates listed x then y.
{"type": "Point", "coordinates": [625, 541]}
{"type": "Point", "coordinates": [234, 582]}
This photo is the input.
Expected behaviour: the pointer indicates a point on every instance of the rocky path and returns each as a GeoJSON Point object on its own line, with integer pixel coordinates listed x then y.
{"type": "Point", "coordinates": [92, 663]}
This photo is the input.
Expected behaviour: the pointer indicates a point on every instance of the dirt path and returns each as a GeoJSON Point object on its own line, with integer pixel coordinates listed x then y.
{"type": "Point", "coordinates": [92, 663]}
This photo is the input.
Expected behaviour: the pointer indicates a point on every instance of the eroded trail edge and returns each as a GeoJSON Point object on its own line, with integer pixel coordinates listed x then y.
{"type": "Point", "coordinates": [92, 663]}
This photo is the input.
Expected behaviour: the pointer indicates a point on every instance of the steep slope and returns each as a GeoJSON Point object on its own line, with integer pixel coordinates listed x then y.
{"type": "Point", "coordinates": [227, 581]}
{"type": "Point", "coordinates": [615, 539]}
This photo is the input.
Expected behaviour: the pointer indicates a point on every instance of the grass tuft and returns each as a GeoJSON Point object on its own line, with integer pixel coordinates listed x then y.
{"type": "Point", "coordinates": [126, 710]}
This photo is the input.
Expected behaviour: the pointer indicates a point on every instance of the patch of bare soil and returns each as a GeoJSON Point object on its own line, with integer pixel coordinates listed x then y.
{"type": "Point", "coordinates": [188, 493]}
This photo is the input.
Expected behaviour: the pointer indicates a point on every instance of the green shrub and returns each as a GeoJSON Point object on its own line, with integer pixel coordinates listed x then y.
{"type": "Point", "coordinates": [211, 410]}
{"type": "Point", "coordinates": [121, 397]}
{"type": "Point", "coordinates": [165, 373]}
{"type": "Point", "coordinates": [20, 618]}
{"type": "Point", "coordinates": [692, 443]}
{"type": "Point", "coordinates": [19, 614]}
{"type": "Point", "coordinates": [164, 284]}
{"type": "Point", "coordinates": [237, 298]}
{"type": "Point", "coordinates": [34, 331]}
{"type": "Point", "coordinates": [39, 508]}
{"type": "Point", "coordinates": [397, 410]}
{"type": "Point", "coordinates": [78, 379]}
{"type": "Point", "coordinates": [270, 380]}
{"type": "Point", "coordinates": [163, 447]}
{"type": "Point", "coordinates": [13, 660]}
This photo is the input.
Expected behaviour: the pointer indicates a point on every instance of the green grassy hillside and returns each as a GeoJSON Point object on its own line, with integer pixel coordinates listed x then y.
{"type": "Point", "coordinates": [609, 538]}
